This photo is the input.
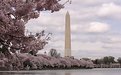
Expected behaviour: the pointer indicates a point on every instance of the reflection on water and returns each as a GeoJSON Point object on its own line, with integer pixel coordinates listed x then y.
{"type": "Point", "coordinates": [36, 73]}
{"type": "Point", "coordinates": [66, 72]}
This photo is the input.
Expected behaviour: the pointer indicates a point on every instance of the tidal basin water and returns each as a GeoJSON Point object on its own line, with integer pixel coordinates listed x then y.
{"type": "Point", "coordinates": [114, 71]}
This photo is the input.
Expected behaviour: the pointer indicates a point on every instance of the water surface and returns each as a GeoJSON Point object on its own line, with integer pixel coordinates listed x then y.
{"type": "Point", "coordinates": [114, 71]}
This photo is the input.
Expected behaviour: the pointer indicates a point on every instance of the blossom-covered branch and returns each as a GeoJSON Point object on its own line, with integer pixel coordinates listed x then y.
{"type": "Point", "coordinates": [14, 14]}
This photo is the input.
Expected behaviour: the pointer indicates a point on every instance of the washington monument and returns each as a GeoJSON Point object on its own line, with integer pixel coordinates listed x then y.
{"type": "Point", "coordinates": [67, 35]}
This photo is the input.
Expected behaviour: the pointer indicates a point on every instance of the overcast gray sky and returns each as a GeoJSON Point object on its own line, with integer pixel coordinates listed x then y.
{"type": "Point", "coordinates": [95, 27]}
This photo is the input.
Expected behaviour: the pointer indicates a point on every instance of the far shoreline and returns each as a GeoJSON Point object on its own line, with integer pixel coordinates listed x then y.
{"type": "Point", "coordinates": [47, 69]}
{"type": "Point", "coordinates": [30, 71]}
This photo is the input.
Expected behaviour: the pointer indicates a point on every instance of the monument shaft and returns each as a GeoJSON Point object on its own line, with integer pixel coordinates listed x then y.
{"type": "Point", "coordinates": [67, 35]}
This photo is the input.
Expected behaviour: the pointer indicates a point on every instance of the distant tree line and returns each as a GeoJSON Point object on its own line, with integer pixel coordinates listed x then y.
{"type": "Point", "coordinates": [107, 60]}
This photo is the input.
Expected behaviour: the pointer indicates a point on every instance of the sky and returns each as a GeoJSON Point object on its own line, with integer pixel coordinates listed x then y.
{"type": "Point", "coordinates": [95, 28]}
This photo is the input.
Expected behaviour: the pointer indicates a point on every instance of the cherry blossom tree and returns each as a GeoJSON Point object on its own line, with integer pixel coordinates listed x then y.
{"type": "Point", "coordinates": [14, 14]}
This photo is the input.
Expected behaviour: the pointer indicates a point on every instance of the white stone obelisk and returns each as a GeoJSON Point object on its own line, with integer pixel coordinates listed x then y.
{"type": "Point", "coordinates": [67, 35]}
